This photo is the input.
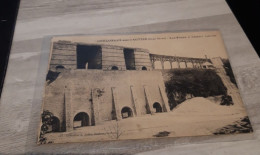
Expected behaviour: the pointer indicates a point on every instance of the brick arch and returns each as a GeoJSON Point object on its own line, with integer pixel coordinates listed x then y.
{"type": "Point", "coordinates": [144, 68]}
{"type": "Point", "coordinates": [56, 124]}
{"type": "Point", "coordinates": [158, 107]}
{"type": "Point", "coordinates": [126, 112]}
{"type": "Point", "coordinates": [167, 65]}
{"type": "Point", "coordinates": [114, 68]}
{"type": "Point", "coordinates": [81, 119]}
{"type": "Point", "coordinates": [157, 65]}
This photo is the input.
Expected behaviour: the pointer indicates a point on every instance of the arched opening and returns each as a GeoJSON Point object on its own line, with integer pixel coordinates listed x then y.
{"type": "Point", "coordinates": [80, 120]}
{"type": "Point", "coordinates": [197, 65]}
{"type": "Point", "coordinates": [189, 65]}
{"type": "Point", "coordinates": [157, 65]}
{"type": "Point", "coordinates": [55, 124]}
{"type": "Point", "coordinates": [175, 64]}
{"type": "Point", "coordinates": [126, 112]}
{"type": "Point", "coordinates": [182, 65]}
{"type": "Point", "coordinates": [114, 68]}
{"type": "Point", "coordinates": [167, 65]}
{"type": "Point", "coordinates": [144, 68]}
{"type": "Point", "coordinates": [157, 107]}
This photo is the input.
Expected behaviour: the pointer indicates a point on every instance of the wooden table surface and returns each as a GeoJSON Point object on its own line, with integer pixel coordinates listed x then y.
{"type": "Point", "coordinates": [21, 100]}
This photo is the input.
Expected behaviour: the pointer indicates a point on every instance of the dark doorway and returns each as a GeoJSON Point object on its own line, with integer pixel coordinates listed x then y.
{"type": "Point", "coordinates": [55, 124]}
{"type": "Point", "coordinates": [129, 59]}
{"type": "Point", "coordinates": [80, 120]}
{"type": "Point", "coordinates": [126, 112]}
{"type": "Point", "coordinates": [157, 106]}
{"type": "Point", "coordinates": [144, 68]}
{"type": "Point", "coordinates": [114, 68]}
{"type": "Point", "coordinates": [89, 57]}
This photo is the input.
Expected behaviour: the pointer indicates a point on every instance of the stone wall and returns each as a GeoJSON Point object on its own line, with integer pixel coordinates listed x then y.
{"type": "Point", "coordinates": [142, 59]}
{"type": "Point", "coordinates": [64, 54]}
{"type": "Point", "coordinates": [112, 56]}
{"type": "Point", "coordinates": [95, 92]}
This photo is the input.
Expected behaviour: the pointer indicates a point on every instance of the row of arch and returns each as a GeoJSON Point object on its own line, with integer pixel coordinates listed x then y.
{"type": "Point", "coordinates": [116, 68]}
{"type": "Point", "coordinates": [175, 64]}
{"type": "Point", "coordinates": [60, 67]}
{"type": "Point", "coordinates": [82, 119]}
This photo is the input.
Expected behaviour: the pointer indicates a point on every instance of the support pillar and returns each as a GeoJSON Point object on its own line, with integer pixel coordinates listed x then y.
{"type": "Point", "coordinates": [186, 64]}
{"type": "Point", "coordinates": [171, 64]}
{"type": "Point", "coordinates": [148, 100]}
{"type": "Point", "coordinates": [162, 62]}
{"type": "Point", "coordinates": [68, 110]}
{"type": "Point", "coordinates": [178, 62]}
{"type": "Point", "coordinates": [115, 103]}
{"type": "Point", "coordinates": [94, 107]}
{"type": "Point", "coordinates": [200, 65]}
{"type": "Point", "coordinates": [153, 64]}
{"type": "Point", "coordinates": [193, 66]}
{"type": "Point", "coordinates": [135, 102]}
{"type": "Point", "coordinates": [165, 103]}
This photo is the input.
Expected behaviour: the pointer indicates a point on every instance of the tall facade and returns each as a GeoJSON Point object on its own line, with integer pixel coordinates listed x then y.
{"type": "Point", "coordinates": [97, 83]}
{"type": "Point", "coordinates": [71, 55]}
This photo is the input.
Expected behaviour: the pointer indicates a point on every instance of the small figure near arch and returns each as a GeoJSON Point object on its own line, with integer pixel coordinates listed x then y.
{"type": "Point", "coordinates": [157, 107]}
{"type": "Point", "coordinates": [126, 112]}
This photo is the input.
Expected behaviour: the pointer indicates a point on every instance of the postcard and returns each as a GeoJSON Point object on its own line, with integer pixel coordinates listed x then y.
{"type": "Point", "coordinates": [140, 86]}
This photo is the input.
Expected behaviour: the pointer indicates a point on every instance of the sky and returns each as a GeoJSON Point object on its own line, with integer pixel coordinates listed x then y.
{"type": "Point", "coordinates": [186, 44]}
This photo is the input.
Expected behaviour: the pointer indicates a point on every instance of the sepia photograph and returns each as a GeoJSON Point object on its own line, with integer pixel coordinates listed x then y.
{"type": "Point", "coordinates": [140, 86]}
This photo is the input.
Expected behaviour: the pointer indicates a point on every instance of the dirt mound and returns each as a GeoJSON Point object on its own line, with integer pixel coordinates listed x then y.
{"type": "Point", "coordinates": [203, 106]}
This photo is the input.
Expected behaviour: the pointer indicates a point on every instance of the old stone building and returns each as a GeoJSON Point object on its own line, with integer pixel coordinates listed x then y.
{"type": "Point", "coordinates": [97, 83]}
{"type": "Point", "coordinates": [89, 84]}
